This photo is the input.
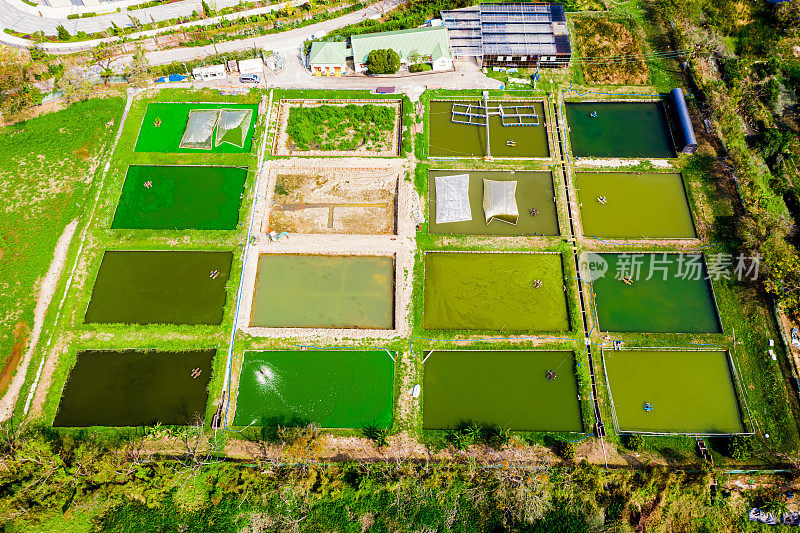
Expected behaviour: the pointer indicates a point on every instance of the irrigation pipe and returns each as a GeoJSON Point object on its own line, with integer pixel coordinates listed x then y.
{"type": "Point", "coordinates": [229, 362]}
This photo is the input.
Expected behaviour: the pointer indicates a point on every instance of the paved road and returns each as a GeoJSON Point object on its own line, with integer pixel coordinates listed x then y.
{"type": "Point", "coordinates": [287, 41]}
{"type": "Point", "coordinates": [27, 19]}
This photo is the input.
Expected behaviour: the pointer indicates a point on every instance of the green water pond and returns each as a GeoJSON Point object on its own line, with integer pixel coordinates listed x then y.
{"type": "Point", "coordinates": [448, 139]}
{"type": "Point", "coordinates": [330, 388]}
{"type": "Point", "coordinates": [146, 287]}
{"type": "Point", "coordinates": [323, 291]}
{"type": "Point", "coordinates": [620, 129]}
{"type": "Point", "coordinates": [180, 197]}
{"type": "Point", "coordinates": [534, 191]}
{"type": "Point", "coordinates": [508, 389]}
{"type": "Point", "coordinates": [690, 391]}
{"type": "Point", "coordinates": [135, 388]}
{"type": "Point", "coordinates": [495, 291]}
{"type": "Point", "coordinates": [166, 137]}
{"type": "Point", "coordinates": [676, 299]}
{"type": "Point", "coordinates": [627, 205]}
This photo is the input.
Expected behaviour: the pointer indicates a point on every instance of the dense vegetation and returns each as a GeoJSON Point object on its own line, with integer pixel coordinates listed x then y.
{"type": "Point", "coordinates": [383, 61]}
{"type": "Point", "coordinates": [329, 127]}
{"type": "Point", "coordinates": [598, 37]}
{"type": "Point", "coordinates": [753, 48]}
{"type": "Point", "coordinates": [106, 483]}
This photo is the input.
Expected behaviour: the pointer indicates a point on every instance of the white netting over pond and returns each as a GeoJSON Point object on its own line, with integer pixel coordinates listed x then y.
{"type": "Point", "coordinates": [452, 199]}
{"type": "Point", "coordinates": [200, 129]}
{"type": "Point", "coordinates": [233, 126]}
{"type": "Point", "coordinates": [500, 201]}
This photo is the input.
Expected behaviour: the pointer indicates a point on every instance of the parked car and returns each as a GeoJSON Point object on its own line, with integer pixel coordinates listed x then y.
{"type": "Point", "coordinates": [249, 78]}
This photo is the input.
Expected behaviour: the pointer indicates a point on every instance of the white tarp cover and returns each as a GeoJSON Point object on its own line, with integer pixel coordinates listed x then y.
{"type": "Point", "coordinates": [233, 125]}
{"type": "Point", "coordinates": [500, 201]}
{"type": "Point", "coordinates": [452, 199]}
{"type": "Point", "coordinates": [200, 129]}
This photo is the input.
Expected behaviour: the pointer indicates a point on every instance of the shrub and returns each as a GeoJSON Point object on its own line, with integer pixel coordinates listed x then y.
{"type": "Point", "coordinates": [378, 435]}
{"type": "Point", "coordinates": [740, 448]}
{"type": "Point", "coordinates": [636, 443]}
{"type": "Point", "coordinates": [566, 450]}
{"type": "Point", "coordinates": [63, 34]}
{"type": "Point", "coordinates": [420, 67]}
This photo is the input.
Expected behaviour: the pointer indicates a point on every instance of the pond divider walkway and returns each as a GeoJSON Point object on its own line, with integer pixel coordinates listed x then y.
{"type": "Point", "coordinates": [561, 138]}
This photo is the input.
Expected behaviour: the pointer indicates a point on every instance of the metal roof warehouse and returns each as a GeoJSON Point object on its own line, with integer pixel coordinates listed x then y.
{"type": "Point", "coordinates": [510, 35]}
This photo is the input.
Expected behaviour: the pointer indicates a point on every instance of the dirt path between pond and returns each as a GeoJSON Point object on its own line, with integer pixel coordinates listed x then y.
{"type": "Point", "coordinates": [46, 292]}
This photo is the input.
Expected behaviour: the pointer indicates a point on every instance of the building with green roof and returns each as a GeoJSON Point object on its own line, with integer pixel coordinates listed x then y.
{"type": "Point", "coordinates": [430, 43]}
{"type": "Point", "coordinates": [328, 59]}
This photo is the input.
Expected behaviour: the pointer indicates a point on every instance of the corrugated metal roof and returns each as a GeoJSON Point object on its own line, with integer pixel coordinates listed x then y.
{"type": "Point", "coordinates": [405, 42]}
{"type": "Point", "coordinates": [327, 53]}
{"type": "Point", "coordinates": [508, 29]}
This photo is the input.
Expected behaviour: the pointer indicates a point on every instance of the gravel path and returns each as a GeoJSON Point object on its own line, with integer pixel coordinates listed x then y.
{"type": "Point", "coordinates": [46, 292]}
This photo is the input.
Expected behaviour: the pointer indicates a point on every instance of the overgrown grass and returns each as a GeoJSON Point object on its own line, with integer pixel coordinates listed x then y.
{"type": "Point", "coordinates": [48, 166]}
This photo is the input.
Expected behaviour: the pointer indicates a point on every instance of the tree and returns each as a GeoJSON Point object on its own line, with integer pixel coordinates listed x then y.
{"type": "Point", "coordinates": [138, 72]}
{"type": "Point", "coordinates": [208, 11]}
{"type": "Point", "coordinates": [74, 85]}
{"type": "Point", "coordinates": [63, 34]}
{"type": "Point", "coordinates": [103, 56]}
{"type": "Point", "coordinates": [16, 93]}
{"type": "Point", "coordinates": [383, 61]}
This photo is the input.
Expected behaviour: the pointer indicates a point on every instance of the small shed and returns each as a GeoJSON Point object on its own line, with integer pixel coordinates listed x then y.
{"type": "Point", "coordinates": [251, 66]}
{"type": "Point", "coordinates": [328, 59]}
{"type": "Point", "coordinates": [686, 140]}
{"type": "Point", "coordinates": [211, 72]}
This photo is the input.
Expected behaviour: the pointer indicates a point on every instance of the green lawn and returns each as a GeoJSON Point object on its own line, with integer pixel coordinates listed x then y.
{"type": "Point", "coordinates": [48, 166]}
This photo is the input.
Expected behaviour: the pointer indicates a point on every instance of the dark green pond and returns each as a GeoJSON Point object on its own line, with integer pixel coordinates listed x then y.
{"type": "Point", "coordinates": [323, 291]}
{"type": "Point", "coordinates": [690, 391]}
{"type": "Point", "coordinates": [534, 191]}
{"type": "Point", "coordinates": [160, 288]}
{"type": "Point", "coordinates": [505, 388]}
{"type": "Point", "coordinates": [620, 129]}
{"type": "Point", "coordinates": [679, 302]}
{"type": "Point", "coordinates": [448, 139]}
{"type": "Point", "coordinates": [636, 206]}
{"type": "Point", "coordinates": [180, 197]}
{"type": "Point", "coordinates": [495, 291]}
{"type": "Point", "coordinates": [132, 388]}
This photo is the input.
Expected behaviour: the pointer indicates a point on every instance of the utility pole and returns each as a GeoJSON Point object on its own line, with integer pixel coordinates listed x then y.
{"type": "Point", "coordinates": [486, 110]}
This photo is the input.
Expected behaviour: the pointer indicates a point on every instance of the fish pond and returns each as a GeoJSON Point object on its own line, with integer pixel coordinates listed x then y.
{"type": "Point", "coordinates": [135, 388]}
{"type": "Point", "coordinates": [626, 205]}
{"type": "Point", "coordinates": [677, 297]}
{"type": "Point", "coordinates": [451, 139]}
{"type": "Point", "coordinates": [164, 126]}
{"type": "Point", "coordinates": [509, 389]}
{"type": "Point", "coordinates": [619, 129]}
{"type": "Point", "coordinates": [534, 191]}
{"type": "Point", "coordinates": [180, 198]}
{"type": "Point", "coordinates": [510, 292]}
{"type": "Point", "coordinates": [333, 389]}
{"type": "Point", "coordinates": [685, 391]}
{"type": "Point", "coordinates": [160, 287]}
{"type": "Point", "coordinates": [323, 291]}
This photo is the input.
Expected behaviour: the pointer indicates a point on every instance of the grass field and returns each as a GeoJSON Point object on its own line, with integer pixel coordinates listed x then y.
{"type": "Point", "coordinates": [599, 37]}
{"type": "Point", "coordinates": [48, 166]}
